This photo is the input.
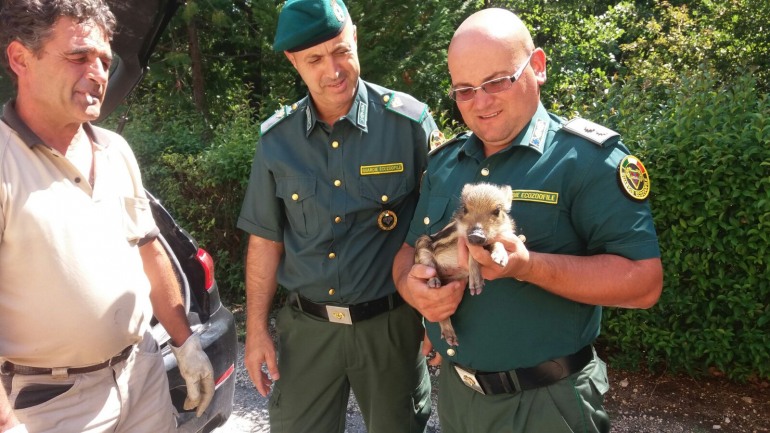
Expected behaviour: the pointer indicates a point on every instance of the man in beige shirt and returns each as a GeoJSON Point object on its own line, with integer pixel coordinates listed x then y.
{"type": "Point", "coordinates": [81, 269]}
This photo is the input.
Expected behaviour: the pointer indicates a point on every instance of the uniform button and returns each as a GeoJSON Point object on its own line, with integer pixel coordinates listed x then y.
{"type": "Point", "coordinates": [386, 98]}
{"type": "Point", "coordinates": [337, 220]}
{"type": "Point", "coordinates": [384, 198]}
{"type": "Point", "coordinates": [450, 352]}
{"type": "Point", "coordinates": [77, 180]}
{"type": "Point", "coordinates": [337, 182]}
{"type": "Point", "coordinates": [485, 172]}
{"type": "Point", "coordinates": [295, 196]}
{"type": "Point", "coordinates": [293, 107]}
{"type": "Point", "coordinates": [332, 255]}
{"type": "Point", "coordinates": [335, 144]}
{"type": "Point", "coordinates": [426, 220]}
{"type": "Point", "coordinates": [332, 292]}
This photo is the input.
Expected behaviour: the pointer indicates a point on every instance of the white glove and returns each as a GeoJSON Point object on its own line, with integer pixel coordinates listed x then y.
{"type": "Point", "coordinates": [197, 372]}
{"type": "Point", "coordinates": [18, 429]}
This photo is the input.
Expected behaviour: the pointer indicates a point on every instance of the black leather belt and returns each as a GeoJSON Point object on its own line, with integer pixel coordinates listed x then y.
{"type": "Point", "coordinates": [543, 374]}
{"type": "Point", "coordinates": [346, 314]}
{"type": "Point", "coordinates": [9, 368]}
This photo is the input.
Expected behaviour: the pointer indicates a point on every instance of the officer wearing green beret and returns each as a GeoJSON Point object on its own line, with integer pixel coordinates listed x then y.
{"type": "Point", "coordinates": [333, 185]}
{"type": "Point", "coordinates": [525, 361]}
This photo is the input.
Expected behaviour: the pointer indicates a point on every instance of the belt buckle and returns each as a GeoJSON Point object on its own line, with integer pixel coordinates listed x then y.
{"type": "Point", "coordinates": [469, 379]}
{"type": "Point", "coordinates": [339, 314]}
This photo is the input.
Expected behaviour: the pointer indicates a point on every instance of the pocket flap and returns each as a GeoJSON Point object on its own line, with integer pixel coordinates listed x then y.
{"type": "Point", "coordinates": [295, 188]}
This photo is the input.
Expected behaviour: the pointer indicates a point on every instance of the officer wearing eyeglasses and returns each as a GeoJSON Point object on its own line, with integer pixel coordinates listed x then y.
{"type": "Point", "coordinates": [526, 361]}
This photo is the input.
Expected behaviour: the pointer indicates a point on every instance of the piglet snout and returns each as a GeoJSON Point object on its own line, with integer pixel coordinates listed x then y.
{"type": "Point", "coordinates": [477, 237]}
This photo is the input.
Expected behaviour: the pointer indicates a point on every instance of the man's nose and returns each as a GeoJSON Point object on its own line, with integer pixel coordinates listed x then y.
{"type": "Point", "coordinates": [482, 98]}
{"type": "Point", "coordinates": [331, 67]}
{"type": "Point", "coordinates": [98, 71]}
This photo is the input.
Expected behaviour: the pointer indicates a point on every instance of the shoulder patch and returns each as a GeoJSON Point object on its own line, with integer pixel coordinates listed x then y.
{"type": "Point", "coordinates": [277, 117]}
{"type": "Point", "coordinates": [405, 105]}
{"type": "Point", "coordinates": [436, 139]}
{"type": "Point", "coordinates": [633, 178]}
{"type": "Point", "coordinates": [459, 138]}
{"type": "Point", "coordinates": [591, 131]}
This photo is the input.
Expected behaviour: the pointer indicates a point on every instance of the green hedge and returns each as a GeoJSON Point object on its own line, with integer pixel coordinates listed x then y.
{"type": "Point", "coordinates": [199, 173]}
{"type": "Point", "coordinates": [707, 146]}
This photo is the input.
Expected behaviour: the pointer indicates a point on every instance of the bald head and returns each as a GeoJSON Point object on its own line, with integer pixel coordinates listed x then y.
{"type": "Point", "coordinates": [494, 45]}
{"type": "Point", "coordinates": [493, 26]}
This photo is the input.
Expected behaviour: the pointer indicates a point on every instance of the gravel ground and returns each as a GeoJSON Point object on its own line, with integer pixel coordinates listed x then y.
{"type": "Point", "coordinates": [250, 413]}
{"type": "Point", "coordinates": [638, 402]}
{"type": "Point", "coordinates": [250, 409]}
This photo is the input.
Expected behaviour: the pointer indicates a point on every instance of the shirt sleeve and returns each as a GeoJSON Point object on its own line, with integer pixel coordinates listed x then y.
{"type": "Point", "coordinates": [261, 213]}
{"type": "Point", "coordinates": [609, 220]}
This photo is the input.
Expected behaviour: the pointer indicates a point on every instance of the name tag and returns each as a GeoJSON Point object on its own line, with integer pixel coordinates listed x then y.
{"type": "Point", "coordinates": [369, 170]}
{"type": "Point", "coordinates": [535, 196]}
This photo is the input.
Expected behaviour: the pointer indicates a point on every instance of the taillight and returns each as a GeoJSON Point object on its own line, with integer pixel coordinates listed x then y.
{"type": "Point", "coordinates": [207, 263]}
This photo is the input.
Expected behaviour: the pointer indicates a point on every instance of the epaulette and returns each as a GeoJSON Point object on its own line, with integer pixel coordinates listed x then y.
{"type": "Point", "coordinates": [459, 138]}
{"type": "Point", "coordinates": [405, 105]}
{"type": "Point", "coordinates": [277, 117]}
{"type": "Point", "coordinates": [591, 131]}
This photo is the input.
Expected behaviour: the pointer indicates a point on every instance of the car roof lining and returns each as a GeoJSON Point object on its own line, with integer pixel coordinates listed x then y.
{"type": "Point", "coordinates": [139, 26]}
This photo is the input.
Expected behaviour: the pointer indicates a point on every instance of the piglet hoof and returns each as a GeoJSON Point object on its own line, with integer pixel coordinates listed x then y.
{"type": "Point", "coordinates": [476, 288]}
{"type": "Point", "coordinates": [434, 283]}
{"type": "Point", "coordinates": [448, 332]}
{"type": "Point", "coordinates": [500, 257]}
{"type": "Point", "coordinates": [450, 338]}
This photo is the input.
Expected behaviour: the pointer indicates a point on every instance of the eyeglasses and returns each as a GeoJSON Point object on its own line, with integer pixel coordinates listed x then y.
{"type": "Point", "coordinates": [464, 94]}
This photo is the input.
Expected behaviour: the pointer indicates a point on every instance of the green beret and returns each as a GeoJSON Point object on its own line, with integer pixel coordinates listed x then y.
{"type": "Point", "coordinates": [304, 23]}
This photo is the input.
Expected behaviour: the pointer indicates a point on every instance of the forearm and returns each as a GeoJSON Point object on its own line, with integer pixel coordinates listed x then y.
{"type": "Point", "coordinates": [605, 279]}
{"type": "Point", "coordinates": [402, 264]}
{"type": "Point", "coordinates": [262, 260]}
{"type": "Point", "coordinates": [165, 293]}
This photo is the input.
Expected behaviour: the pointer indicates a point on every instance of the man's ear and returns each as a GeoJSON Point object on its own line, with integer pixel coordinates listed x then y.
{"type": "Point", "coordinates": [291, 58]}
{"type": "Point", "coordinates": [18, 57]}
{"type": "Point", "coordinates": [539, 62]}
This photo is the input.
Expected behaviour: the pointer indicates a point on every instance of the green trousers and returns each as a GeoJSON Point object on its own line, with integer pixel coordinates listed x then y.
{"type": "Point", "coordinates": [320, 362]}
{"type": "Point", "coordinates": [572, 405]}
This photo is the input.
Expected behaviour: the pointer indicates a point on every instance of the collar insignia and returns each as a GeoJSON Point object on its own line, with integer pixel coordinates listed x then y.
{"type": "Point", "coordinates": [362, 114]}
{"type": "Point", "coordinates": [538, 134]}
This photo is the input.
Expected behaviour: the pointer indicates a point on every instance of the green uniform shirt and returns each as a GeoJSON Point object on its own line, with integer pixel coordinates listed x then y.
{"type": "Point", "coordinates": [567, 200]}
{"type": "Point", "coordinates": [329, 194]}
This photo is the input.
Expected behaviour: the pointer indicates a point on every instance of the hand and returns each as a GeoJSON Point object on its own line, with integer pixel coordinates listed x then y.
{"type": "Point", "coordinates": [518, 258]}
{"type": "Point", "coordinates": [197, 373]}
{"type": "Point", "coordinates": [260, 350]}
{"type": "Point", "coordinates": [19, 428]}
{"type": "Point", "coordinates": [434, 304]}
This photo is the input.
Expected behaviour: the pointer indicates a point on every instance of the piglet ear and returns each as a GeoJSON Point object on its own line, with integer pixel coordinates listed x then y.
{"type": "Point", "coordinates": [507, 192]}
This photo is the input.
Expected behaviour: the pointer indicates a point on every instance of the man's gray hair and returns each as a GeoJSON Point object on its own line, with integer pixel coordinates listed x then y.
{"type": "Point", "coordinates": [31, 21]}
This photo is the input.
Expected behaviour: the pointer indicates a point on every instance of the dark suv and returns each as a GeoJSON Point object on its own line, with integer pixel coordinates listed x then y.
{"type": "Point", "coordinates": [140, 24]}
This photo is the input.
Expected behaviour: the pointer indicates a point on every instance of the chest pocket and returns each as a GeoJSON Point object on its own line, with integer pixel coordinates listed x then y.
{"type": "Point", "coordinates": [297, 194]}
{"type": "Point", "coordinates": [438, 208]}
{"type": "Point", "coordinates": [384, 190]}
{"type": "Point", "coordinates": [536, 221]}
